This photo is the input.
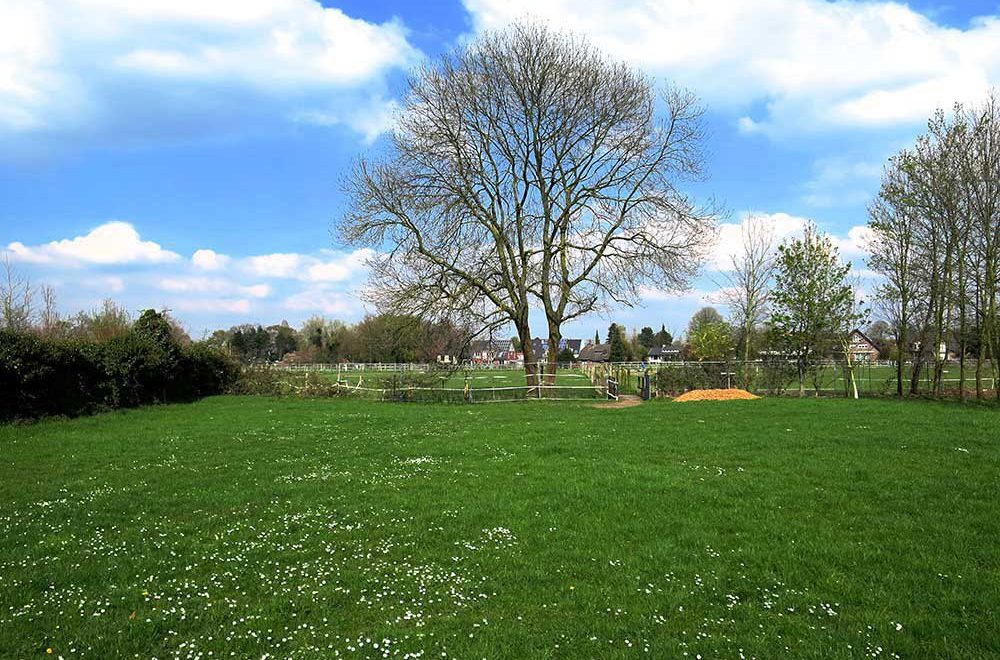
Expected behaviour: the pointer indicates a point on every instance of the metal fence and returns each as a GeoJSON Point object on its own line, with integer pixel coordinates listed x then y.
{"type": "Point", "coordinates": [488, 382]}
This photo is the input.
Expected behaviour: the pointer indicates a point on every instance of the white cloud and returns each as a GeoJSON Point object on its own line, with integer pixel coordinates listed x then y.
{"type": "Point", "coordinates": [329, 266]}
{"type": "Point", "coordinates": [106, 64]}
{"type": "Point", "coordinates": [852, 246]}
{"type": "Point", "coordinates": [782, 225]}
{"type": "Point", "coordinates": [325, 302]}
{"type": "Point", "coordinates": [855, 245]}
{"type": "Point", "coordinates": [279, 264]}
{"type": "Point", "coordinates": [841, 181]}
{"type": "Point", "coordinates": [113, 242]}
{"type": "Point", "coordinates": [215, 285]}
{"type": "Point", "coordinates": [796, 63]}
{"type": "Point", "coordinates": [209, 260]}
{"type": "Point", "coordinates": [339, 268]}
{"type": "Point", "coordinates": [212, 305]}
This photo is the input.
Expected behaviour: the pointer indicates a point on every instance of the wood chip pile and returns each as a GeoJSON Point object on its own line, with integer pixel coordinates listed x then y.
{"type": "Point", "coordinates": [731, 394]}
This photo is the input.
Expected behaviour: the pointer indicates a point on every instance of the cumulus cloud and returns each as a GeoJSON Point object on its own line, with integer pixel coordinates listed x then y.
{"type": "Point", "coordinates": [852, 246]}
{"type": "Point", "coordinates": [786, 64]}
{"type": "Point", "coordinates": [328, 266]}
{"type": "Point", "coordinates": [164, 65]}
{"type": "Point", "coordinates": [781, 225]}
{"type": "Point", "coordinates": [113, 242]}
{"type": "Point", "coordinates": [278, 264]}
{"type": "Point", "coordinates": [209, 260]}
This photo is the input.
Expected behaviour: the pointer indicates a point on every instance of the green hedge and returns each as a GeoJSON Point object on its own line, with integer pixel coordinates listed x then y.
{"type": "Point", "coordinates": [40, 377]}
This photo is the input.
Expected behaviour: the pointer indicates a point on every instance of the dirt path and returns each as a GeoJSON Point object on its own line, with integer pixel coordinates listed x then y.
{"type": "Point", "coordinates": [624, 401]}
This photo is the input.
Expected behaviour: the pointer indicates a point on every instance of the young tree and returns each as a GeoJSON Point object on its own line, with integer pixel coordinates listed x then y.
{"type": "Point", "coordinates": [812, 299]}
{"type": "Point", "coordinates": [748, 283]}
{"type": "Point", "coordinates": [529, 168]}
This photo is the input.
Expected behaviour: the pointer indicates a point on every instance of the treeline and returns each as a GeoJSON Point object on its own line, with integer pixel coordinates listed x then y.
{"type": "Point", "coordinates": [936, 246]}
{"type": "Point", "coordinates": [376, 338]}
{"type": "Point", "coordinates": [635, 346]}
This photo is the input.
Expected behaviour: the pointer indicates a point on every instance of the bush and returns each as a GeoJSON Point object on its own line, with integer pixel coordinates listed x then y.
{"type": "Point", "coordinates": [40, 377]}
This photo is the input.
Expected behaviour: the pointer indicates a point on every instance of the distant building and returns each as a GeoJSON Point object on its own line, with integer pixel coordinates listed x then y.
{"type": "Point", "coordinates": [595, 353]}
{"type": "Point", "coordinates": [498, 350]}
{"type": "Point", "coordinates": [665, 353]}
{"type": "Point", "coordinates": [861, 348]}
{"type": "Point", "coordinates": [541, 346]}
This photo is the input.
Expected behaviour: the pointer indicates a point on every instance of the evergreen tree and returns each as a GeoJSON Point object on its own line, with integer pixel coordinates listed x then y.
{"type": "Point", "coordinates": [647, 337]}
{"type": "Point", "coordinates": [663, 338]}
{"type": "Point", "coordinates": [618, 351]}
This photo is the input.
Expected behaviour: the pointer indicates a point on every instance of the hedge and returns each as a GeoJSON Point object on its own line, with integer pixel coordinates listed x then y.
{"type": "Point", "coordinates": [41, 377]}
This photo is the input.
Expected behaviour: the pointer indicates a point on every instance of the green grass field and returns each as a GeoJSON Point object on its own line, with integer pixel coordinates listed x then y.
{"type": "Point", "coordinates": [255, 527]}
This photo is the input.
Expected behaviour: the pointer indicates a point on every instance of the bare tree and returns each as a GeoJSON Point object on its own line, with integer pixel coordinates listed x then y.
{"type": "Point", "coordinates": [49, 321]}
{"type": "Point", "coordinates": [747, 285]}
{"type": "Point", "coordinates": [526, 170]}
{"type": "Point", "coordinates": [893, 256]}
{"type": "Point", "coordinates": [16, 299]}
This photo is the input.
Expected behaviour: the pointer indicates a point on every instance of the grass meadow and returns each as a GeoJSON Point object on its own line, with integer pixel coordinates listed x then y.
{"type": "Point", "coordinates": [257, 527]}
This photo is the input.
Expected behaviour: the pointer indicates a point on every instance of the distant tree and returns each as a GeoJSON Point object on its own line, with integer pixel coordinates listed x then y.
{"type": "Point", "coordinates": [663, 338]}
{"type": "Point", "coordinates": [566, 355]}
{"type": "Point", "coordinates": [283, 340]}
{"type": "Point", "coordinates": [704, 316]}
{"type": "Point", "coordinates": [647, 337]}
{"type": "Point", "coordinates": [880, 333]}
{"type": "Point", "coordinates": [597, 336]}
{"type": "Point", "coordinates": [108, 322]}
{"type": "Point", "coordinates": [618, 351]}
{"type": "Point", "coordinates": [390, 338]}
{"type": "Point", "coordinates": [711, 341]}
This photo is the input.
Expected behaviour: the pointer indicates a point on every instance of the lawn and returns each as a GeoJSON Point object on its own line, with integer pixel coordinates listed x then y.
{"type": "Point", "coordinates": [242, 527]}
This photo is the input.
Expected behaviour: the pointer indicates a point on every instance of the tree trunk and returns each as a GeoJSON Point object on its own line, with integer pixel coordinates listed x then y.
{"type": "Point", "coordinates": [802, 378]}
{"type": "Point", "coordinates": [555, 336]}
{"type": "Point", "coordinates": [901, 357]}
{"type": "Point", "coordinates": [528, 350]}
{"type": "Point", "coordinates": [852, 383]}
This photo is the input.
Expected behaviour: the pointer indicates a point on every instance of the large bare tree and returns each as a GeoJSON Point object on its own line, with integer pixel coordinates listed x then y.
{"type": "Point", "coordinates": [529, 171]}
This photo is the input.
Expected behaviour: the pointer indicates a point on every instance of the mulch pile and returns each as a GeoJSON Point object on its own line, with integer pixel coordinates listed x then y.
{"type": "Point", "coordinates": [731, 394]}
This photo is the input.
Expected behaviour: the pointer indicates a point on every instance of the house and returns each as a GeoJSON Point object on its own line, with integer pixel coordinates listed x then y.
{"type": "Point", "coordinates": [665, 353]}
{"type": "Point", "coordinates": [861, 348]}
{"type": "Point", "coordinates": [943, 352]}
{"type": "Point", "coordinates": [541, 346]}
{"type": "Point", "coordinates": [595, 353]}
{"type": "Point", "coordinates": [497, 350]}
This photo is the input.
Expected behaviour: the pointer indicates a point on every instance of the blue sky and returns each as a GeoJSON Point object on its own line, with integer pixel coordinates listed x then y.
{"type": "Point", "coordinates": [186, 154]}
